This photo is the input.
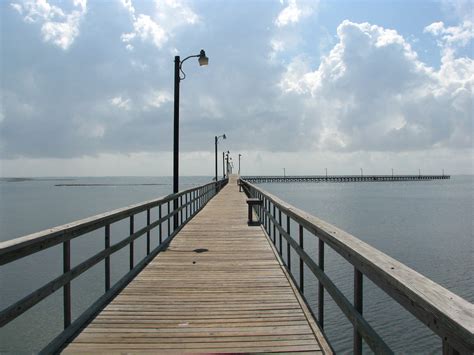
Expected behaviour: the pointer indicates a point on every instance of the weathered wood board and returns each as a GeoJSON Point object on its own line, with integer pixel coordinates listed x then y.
{"type": "Point", "coordinates": [218, 288]}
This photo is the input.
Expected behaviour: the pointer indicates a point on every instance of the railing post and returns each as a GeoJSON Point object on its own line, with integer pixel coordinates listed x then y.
{"type": "Point", "coordinates": [107, 258]}
{"type": "Point", "coordinates": [265, 217]}
{"type": "Point", "coordinates": [131, 243]}
{"type": "Point", "coordinates": [279, 222]}
{"type": "Point", "coordinates": [67, 287]}
{"type": "Point", "coordinates": [148, 232]}
{"type": "Point", "coordinates": [181, 210]}
{"type": "Point", "coordinates": [274, 226]}
{"type": "Point", "coordinates": [288, 249]}
{"type": "Point", "coordinates": [159, 226]}
{"type": "Point", "coordinates": [186, 206]}
{"type": "Point", "coordinates": [264, 214]}
{"type": "Point", "coordinates": [448, 349]}
{"type": "Point", "coordinates": [269, 213]}
{"type": "Point", "coordinates": [358, 306]}
{"type": "Point", "coordinates": [200, 199]}
{"type": "Point", "coordinates": [320, 285]}
{"type": "Point", "coordinates": [301, 259]}
{"type": "Point", "coordinates": [175, 216]}
{"type": "Point", "coordinates": [169, 220]}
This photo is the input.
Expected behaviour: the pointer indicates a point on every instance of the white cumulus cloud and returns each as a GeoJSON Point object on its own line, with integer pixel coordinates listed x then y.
{"type": "Point", "coordinates": [57, 27]}
{"type": "Point", "coordinates": [159, 27]}
{"type": "Point", "coordinates": [451, 38]}
{"type": "Point", "coordinates": [295, 11]}
{"type": "Point", "coordinates": [371, 92]}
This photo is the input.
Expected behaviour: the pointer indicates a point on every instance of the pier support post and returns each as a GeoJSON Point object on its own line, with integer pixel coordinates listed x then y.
{"type": "Point", "coordinates": [358, 306]}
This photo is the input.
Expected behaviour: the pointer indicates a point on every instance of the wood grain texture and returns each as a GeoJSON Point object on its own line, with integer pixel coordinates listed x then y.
{"type": "Point", "coordinates": [445, 313]}
{"type": "Point", "coordinates": [218, 288]}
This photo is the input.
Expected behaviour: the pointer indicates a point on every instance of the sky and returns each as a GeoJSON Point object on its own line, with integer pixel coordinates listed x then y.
{"type": "Point", "coordinates": [87, 86]}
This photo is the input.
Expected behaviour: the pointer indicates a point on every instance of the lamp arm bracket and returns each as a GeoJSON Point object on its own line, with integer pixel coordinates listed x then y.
{"type": "Point", "coordinates": [181, 66]}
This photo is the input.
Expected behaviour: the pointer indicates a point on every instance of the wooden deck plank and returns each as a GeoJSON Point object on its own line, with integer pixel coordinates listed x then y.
{"type": "Point", "coordinates": [233, 297]}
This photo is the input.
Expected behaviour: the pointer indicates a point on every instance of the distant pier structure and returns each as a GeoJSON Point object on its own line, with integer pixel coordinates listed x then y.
{"type": "Point", "coordinates": [343, 178]}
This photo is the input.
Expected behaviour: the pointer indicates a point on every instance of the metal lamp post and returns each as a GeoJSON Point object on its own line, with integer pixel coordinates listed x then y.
{"type": "Point", "coordinates": [239, 163]}
{"type": "Point", "coordinates": [223, 165]}
{"type": "Point", "coordinates": [178, 63]}
{"type": "Point", "coordinates": [216, 139]}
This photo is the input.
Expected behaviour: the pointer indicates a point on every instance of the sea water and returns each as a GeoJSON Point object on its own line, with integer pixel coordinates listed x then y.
{"type": "Point", "coordinates": [426, 225]}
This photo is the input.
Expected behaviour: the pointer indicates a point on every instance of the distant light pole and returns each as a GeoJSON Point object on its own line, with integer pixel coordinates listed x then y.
{"type": "Point", "coordinates": [239, 163]}
{"type": "Point", "coordinates": [227, 164]}
{"type": "Point", "coordinates": [216, 139]}
{"type": "Point", "coordinates": [326, 172]}
{"type": "Point", "coordinates": [284, 172]}
{"type": "Point", "coordinates": [178, 63]}
{"type": "Point", "coordinates": [419, 172]}
{"type": "Point", "coordinates": [361, 172]}
{"type": "Point", "coordinates": [223, 165]}
{"type": "Point", "coordinates": [443, 172]}
{"type": "Point", "coordinates": [392, 172]}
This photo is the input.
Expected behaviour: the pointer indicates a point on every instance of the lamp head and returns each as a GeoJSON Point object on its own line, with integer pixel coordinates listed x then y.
{"type": "Point", "coordinates": [203, 60]}
{"type": "Point", "coordinates": [223, 136]}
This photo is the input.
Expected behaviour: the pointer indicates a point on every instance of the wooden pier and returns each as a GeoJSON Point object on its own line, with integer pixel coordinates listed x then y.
{"type": "Point", "coordinates": [214, 284]}
{"type": "Point", "coordinates": [344, 178]}
{"type": "Point", "coordinates": [218, 287]}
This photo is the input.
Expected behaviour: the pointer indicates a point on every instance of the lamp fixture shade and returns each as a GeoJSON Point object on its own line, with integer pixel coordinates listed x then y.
{"type": "Point", "coordinates": [224, 136]}
{"type": "Point", "coordinates": [203, 60]}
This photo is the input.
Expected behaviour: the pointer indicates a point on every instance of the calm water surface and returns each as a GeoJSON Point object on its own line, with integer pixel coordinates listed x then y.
{"type": "Point", "coordinates": [31, 206]}
{"type": "Point", "coordinates": [426, 225]}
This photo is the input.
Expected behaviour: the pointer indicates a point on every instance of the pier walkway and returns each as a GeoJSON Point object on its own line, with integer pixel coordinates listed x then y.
{"type": "Point", "coordinates": [220, 286]}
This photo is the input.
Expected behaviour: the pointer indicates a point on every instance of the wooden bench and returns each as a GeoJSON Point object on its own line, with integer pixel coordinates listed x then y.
{"type": "Point", "coordinates": [253, 202]}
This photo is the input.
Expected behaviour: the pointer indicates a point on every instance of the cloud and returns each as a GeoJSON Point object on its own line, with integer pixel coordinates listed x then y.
{"type": "Point", "coordinates": [371, 92]}
{"type": "Point", "coordinates": [451, 38]}
{"type": "Point", "coordinates": [146, 29]}
{"type": "Point", "coordinates": [120, 102]}
{"type": "Point", "coordinates": [287, 38]}
{"type": "Point", "coordinates": [157, 29]}
{"type": "Point", "coordinates": [295, 11]}
{"type": "Point", "coordinates": [367, 91]}
{"type": "Point", "coordinates": [57, 27]}
{"type": "Point", "coordinates": [156, 98]}
{"type": "Point", "coordinates": [460, 9]}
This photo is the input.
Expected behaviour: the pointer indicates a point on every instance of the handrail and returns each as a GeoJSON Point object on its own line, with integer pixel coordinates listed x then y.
{"type": "Point", "coordinates": [17, 248]}
{"type": "Point", "coordinates": [448, 315]}
{"type": "Point", "coordinates": [194, 200]}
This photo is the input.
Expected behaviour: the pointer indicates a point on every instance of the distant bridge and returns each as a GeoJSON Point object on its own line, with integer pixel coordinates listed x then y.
{"type": "Point", "coordinates": [343, 178]}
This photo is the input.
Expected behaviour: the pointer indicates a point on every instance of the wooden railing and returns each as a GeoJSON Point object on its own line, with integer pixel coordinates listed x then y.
{"type": "Point", "coordinates": [187, 202]}
{"type": "Point", "coordinates": [446, 314]}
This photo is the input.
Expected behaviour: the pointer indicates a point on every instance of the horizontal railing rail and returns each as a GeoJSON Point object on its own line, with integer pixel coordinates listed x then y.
{"type": "Point", "coordinates": [445, 313]}
{"type": "Point", "coordinates": [180, 208]}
